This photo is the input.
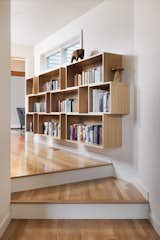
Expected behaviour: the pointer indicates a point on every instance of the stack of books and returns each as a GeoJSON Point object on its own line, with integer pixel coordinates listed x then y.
{"type": "Point", "coordinates": [77, 80]}
{"type": "Point", "coordinates": [51, 128]}
{"type": "Point", "coordinates": [100, 100]}
{"type": "Point", "coordinates": [55, 85]}
{"type": "Point", "coordinates": [93, 75]}
{"type": "Point", "coordinates": [51, 85]}
{"type": "Point", "coordinates": [68, 105]}
{"type": "Point", "coordinates": [39, 107]}
{"type": "Point", "coordinates": [91, 134]}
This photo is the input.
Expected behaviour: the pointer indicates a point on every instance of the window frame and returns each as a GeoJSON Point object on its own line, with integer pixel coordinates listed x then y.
{"type": "Point", "coordinates": [61, 48]}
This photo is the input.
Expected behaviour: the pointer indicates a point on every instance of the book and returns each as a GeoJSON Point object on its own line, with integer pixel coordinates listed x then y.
{"type": "Point", "coordinates": [39, 107]}
{"type": "Point", "coordinates": [98, 74]}
{"type": "Point", "coordinates": [106, 102]}
{"type": "Point", "coordinates": [87, 133]}
{"type": "Point", "coordinates": [51, 128]}
{"type": "Point", "coordinates": [31, 126]}
{"type": "Point", "coordinates": [68, 105]}
{"type": "Point", "coordinates": [98, 100]}
{"type": "Point", "coordinates": [51, 85]}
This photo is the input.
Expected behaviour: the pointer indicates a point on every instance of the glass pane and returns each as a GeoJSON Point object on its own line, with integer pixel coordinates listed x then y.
{"type": "Point", "coordinates": [69, 50]}
{"type": "Point", "coordinates": [53, 60]}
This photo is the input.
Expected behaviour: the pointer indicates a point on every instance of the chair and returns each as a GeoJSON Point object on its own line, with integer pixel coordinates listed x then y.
{"type": "Point", "coordinates": [21, 116]}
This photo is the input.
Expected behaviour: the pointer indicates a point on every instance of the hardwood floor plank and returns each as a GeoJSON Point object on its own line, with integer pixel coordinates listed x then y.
{"type": "Point", "coordinates": [80, 230]}
{"type": "Point", "coordinates": [30, 157]}
{"type": "Point", "coordinates": [107, 190]}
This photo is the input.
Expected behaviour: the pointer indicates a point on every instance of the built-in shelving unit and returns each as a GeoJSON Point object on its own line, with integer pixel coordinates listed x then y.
{"type": "Point", "coordinates": [80, 103]}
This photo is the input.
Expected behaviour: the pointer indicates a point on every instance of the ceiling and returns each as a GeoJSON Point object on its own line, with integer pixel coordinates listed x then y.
{"type": "Point", "coordinates": [34, 20]}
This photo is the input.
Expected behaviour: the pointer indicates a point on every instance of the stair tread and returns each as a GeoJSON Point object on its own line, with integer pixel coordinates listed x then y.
{"type": "Point", "coordinates": [80, 229]}
{"type": "Point", "coordinates": [107, 190]}
{"type": "Point", "coordinates": [30, 157]}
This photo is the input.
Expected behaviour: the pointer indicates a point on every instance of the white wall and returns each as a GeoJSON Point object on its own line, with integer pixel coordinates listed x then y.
{"type": "Point", "coordinates": [108, 27]}
{"type": "Point", "coordinates": [147, 81]}
{"type": "Point", "coordinates": [5, 113]}
{"type": "Point", "coordinates": [17, 99]}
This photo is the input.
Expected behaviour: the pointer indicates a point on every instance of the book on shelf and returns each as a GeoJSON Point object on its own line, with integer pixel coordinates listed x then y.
{"type": "Point", "coordinates": [100, 100]}
{"type": "Point", "coordinates": [51, 128]}
{"type": "Point", "coordinates": [30, 126]}
{"type": "Point", "coordinates": [51, 85]}
{"type": "Point", "coordinates": [68, 105]}
{"type": "Point", "coordinates": [77, 80]}
{"type": "Point", "coordinates": [40, 107]}
{"type": "Point", "coordinates": [90, 134]}
{"type": "Point", "coordinates": [93, 75]}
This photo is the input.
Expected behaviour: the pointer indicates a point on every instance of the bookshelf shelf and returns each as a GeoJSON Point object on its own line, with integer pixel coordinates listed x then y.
{"type": "Point", "coordinates": [86, 107]}
{"type": "Point", "coordinates": [52, 81]}
{"type": "Point", "coordinates": [52, 125]}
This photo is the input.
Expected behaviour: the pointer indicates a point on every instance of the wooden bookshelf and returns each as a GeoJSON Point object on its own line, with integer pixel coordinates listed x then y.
{"type": "Point", "coordinates": [109, 124]}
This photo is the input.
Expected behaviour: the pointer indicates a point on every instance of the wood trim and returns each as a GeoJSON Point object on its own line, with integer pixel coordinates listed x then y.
{"type": "Point", "coordinates": [17, 74]}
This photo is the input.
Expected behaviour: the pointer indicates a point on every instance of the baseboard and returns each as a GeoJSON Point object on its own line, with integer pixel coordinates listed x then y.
{"type": "Point", "coordinates": [4, 224]}
{"type": "Point", "coordinates": [136, 182]}
{"type": "Point", "coordinates": [155, 223]}
{"type": "Point", "coordinates": [139, 185]}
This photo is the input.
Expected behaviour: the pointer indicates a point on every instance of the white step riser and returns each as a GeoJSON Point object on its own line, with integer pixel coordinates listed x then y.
{"type": "Point", "coordinates": [80, 211]}
{"type": "Point", "coordinates": [53, 179]}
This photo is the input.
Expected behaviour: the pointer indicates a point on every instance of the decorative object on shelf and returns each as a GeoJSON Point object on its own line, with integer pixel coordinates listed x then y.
{"type": "Point", "coordinates": [79, 53]}
{"type": "Point", "coordinates": [94, 52]}
{"type": "Point", "coordinates": [117, 74]}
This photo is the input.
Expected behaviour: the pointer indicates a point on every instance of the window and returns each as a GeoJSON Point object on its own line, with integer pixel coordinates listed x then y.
{"type": "Point", "coordinates": [69, 50]}
{"type": "Point", "coordinates": [59, 57]}
{"type": "Point", "coordinates": [53, 60]}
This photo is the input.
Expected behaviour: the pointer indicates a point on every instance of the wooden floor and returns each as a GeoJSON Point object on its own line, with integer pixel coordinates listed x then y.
{"type": "Point", "coordinates": [107, 190]}
{"type": "Point", "coordinates": [80, 230]}
{"type": "Point", "coordinates": [30, 157]}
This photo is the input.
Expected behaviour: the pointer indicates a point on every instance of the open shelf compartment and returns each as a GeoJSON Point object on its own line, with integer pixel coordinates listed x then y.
{"type": "Point", "coordinates": [32, 122]}
{"type": "Point", "coordinates": [52, 125]}
{"type": "Point", "coordinates": [103, 131]}
{"type": "Point", "coordinates": [52, 81]}
{"type": "Point", "coordinates": [109, 98]}
{"type": "Point", "coordinates": [65, 101]}
{"type": "Point", "coordinates": [38, 103]}
{"type": "Point", "coordinates": [94, 69]}
{"type": "Point", "coordinates": [29, 86]}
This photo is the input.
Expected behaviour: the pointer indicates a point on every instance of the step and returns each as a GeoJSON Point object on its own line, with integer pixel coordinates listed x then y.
{"type": "Point", "coordinates": [60, 177]}
{"type": "Point", "coordinates": [36, 163]}
{"type": "Point", "coordinates": [107, 198]}
{"type": "Point", "coordinates": [80, 229]}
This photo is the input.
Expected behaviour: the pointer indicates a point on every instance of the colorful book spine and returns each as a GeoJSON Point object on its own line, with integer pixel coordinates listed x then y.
{"type": "Point", "coordinates": [90, 134]}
